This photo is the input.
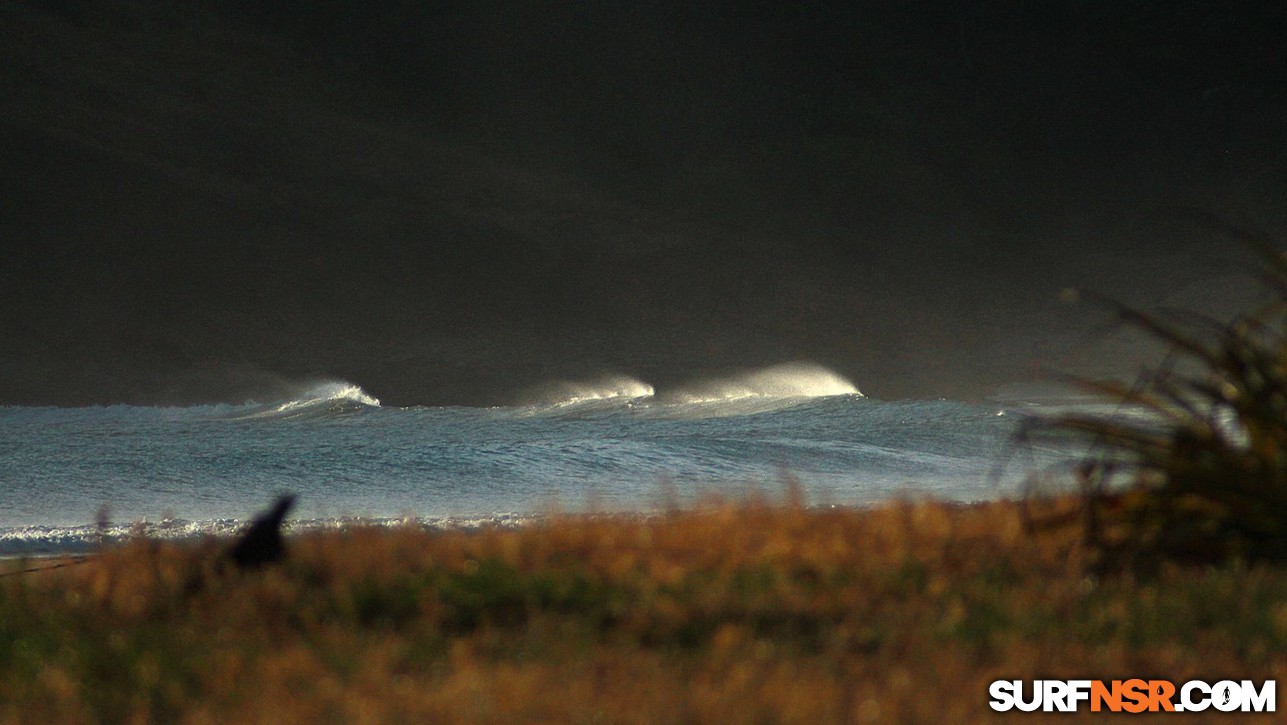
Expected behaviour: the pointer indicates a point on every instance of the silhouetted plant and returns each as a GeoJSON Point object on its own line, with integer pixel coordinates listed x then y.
{"type": "Point", "coordinates": [1206, 468]}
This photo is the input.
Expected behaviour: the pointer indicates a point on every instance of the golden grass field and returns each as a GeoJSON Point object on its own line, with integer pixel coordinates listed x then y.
{"type": "Point", "coordinates": [728, 613]}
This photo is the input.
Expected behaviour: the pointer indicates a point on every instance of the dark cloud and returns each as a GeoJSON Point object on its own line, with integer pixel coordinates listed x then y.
{"type": "Point", "coordinates": [453, 202]}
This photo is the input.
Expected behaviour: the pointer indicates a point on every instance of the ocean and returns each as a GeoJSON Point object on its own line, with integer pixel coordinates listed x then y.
{"type": "Point", "coordinates": [71, 478]}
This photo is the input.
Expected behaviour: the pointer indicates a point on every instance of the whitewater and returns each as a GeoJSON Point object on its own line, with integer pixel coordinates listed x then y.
{"type": "Point", "coordinates": [72, 478]}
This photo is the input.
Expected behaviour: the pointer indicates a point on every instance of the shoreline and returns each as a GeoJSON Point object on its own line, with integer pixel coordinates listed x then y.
{"type": "Point", "coordinates": [90, 539]}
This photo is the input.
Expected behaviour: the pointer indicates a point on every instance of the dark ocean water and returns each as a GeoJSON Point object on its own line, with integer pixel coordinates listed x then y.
{"type": "Point", "coordinates": [611, 445]}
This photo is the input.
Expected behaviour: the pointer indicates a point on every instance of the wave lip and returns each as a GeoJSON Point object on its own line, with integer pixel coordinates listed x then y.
{"type": "Point", "coordinates": [785, 381]}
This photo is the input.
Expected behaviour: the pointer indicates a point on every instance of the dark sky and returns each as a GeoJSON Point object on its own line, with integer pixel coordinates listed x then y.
{"type": "Point", "coordinates": [449, 202]}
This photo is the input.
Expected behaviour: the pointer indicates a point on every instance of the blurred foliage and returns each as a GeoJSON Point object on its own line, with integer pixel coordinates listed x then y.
{"type": "Point", "coordinates": [1206, 464]}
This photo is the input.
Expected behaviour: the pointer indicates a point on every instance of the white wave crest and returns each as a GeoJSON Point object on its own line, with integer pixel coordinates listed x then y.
{"type": "Point", "coordinates": [789, 380]}
{"type": "Point", "coordinates": [615, 388]}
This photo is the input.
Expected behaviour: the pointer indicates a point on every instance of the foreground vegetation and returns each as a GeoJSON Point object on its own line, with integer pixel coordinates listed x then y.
{"type": "Point", "coordinates": [731, 613]}
{"type": "Point", "coordinates": [1203, 478]}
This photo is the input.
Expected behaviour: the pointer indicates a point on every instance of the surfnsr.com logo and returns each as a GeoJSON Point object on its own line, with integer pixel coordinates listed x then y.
{"type": "Point", "coordinates": [1132, 696]}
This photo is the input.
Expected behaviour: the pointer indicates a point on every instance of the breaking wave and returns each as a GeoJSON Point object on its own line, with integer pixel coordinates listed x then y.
{"type": "Point", "coordinates": [790, 380]}
{"type": "Point", "coordinates": [326, 398]}
{"type": "Point", "coordinates": [757, 391]}
{"type": "Point", "coordinates": [610, 388]}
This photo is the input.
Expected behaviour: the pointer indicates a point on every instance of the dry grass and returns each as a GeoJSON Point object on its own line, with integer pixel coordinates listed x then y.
{"type": "Point", "coordinates": [731, 613]}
